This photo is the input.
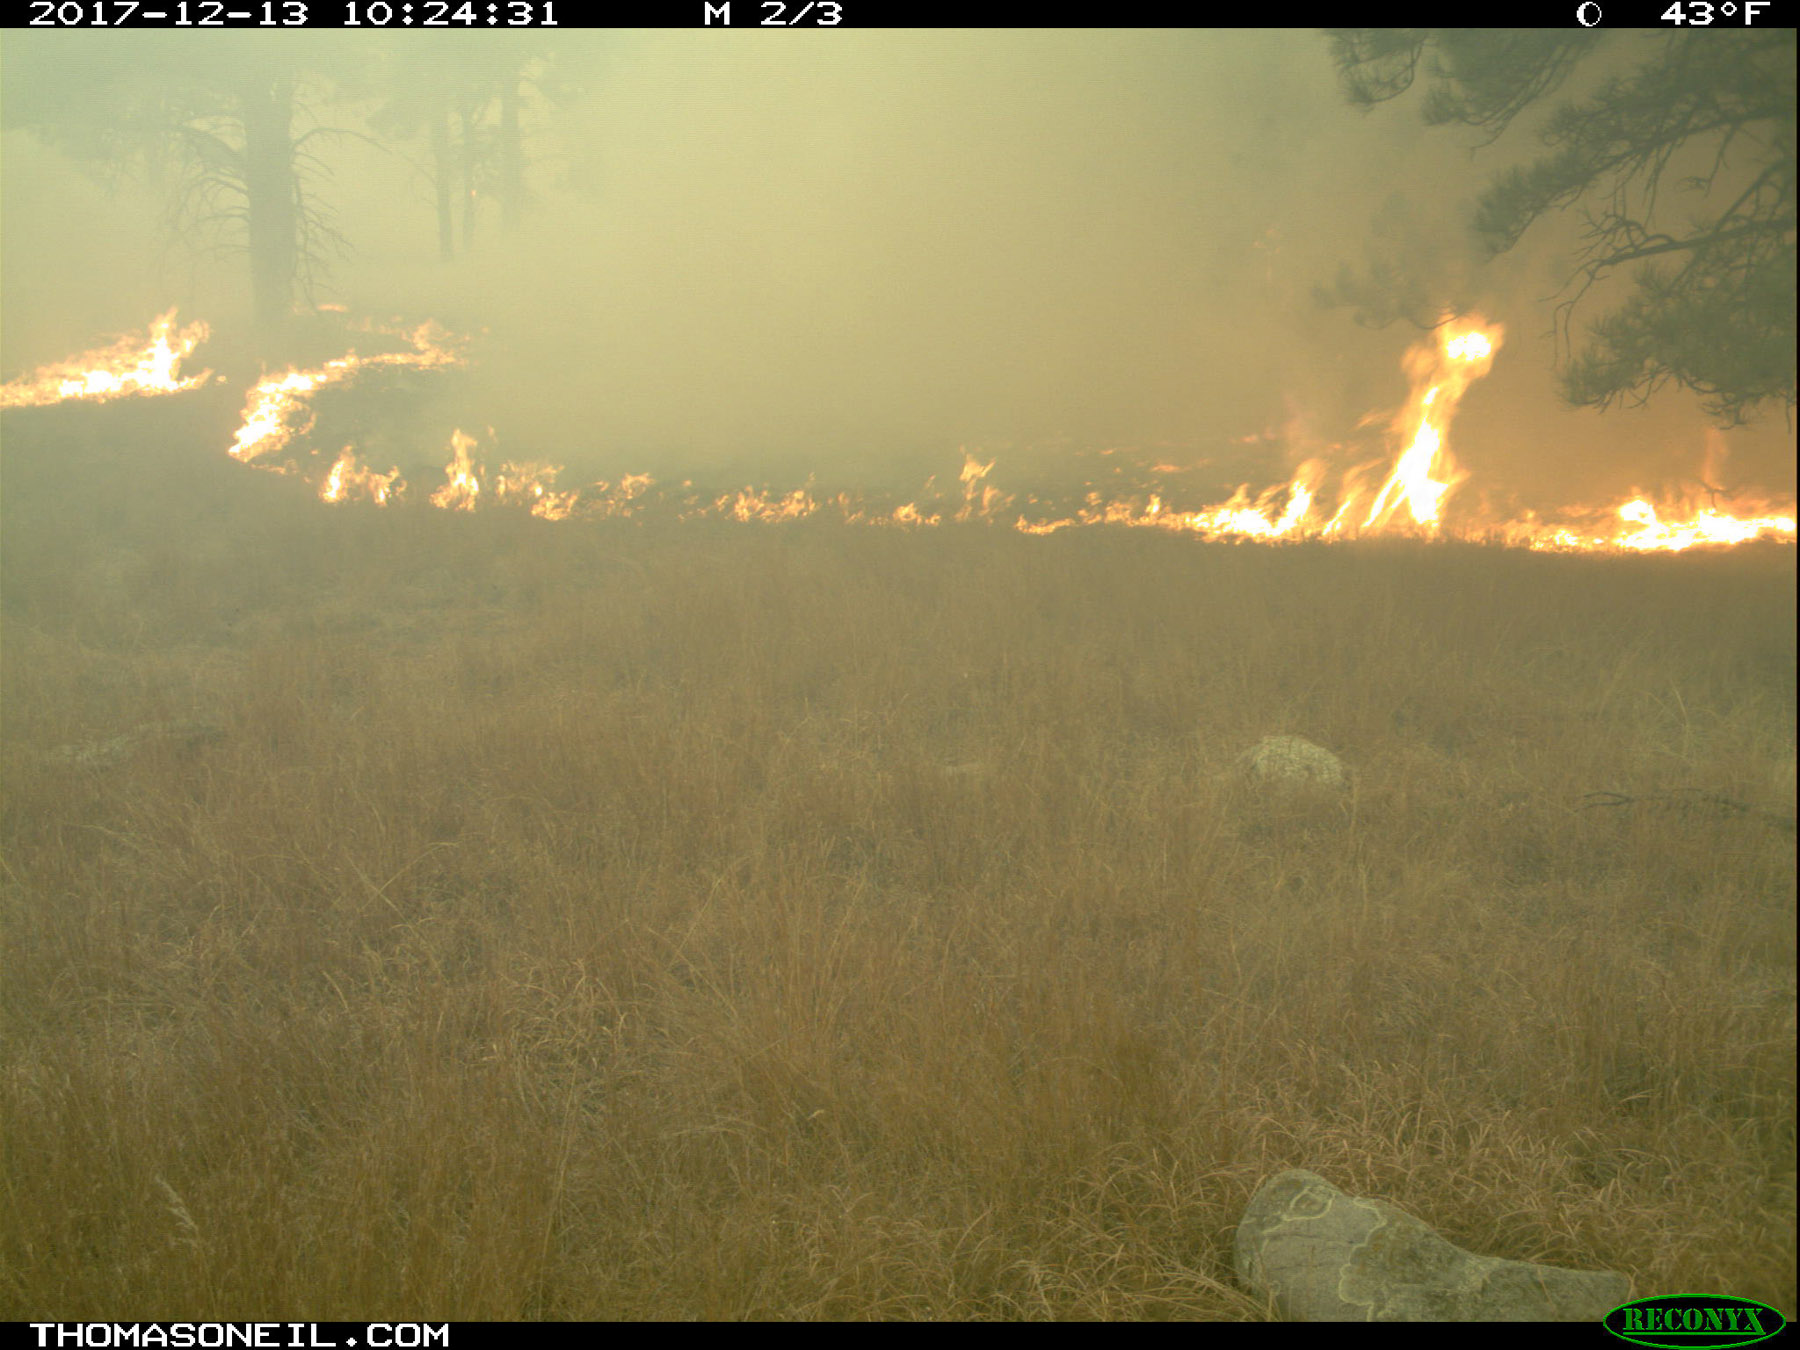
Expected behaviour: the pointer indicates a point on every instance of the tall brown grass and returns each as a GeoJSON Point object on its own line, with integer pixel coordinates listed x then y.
{"type": "Point", "coordinates": [808, 922]}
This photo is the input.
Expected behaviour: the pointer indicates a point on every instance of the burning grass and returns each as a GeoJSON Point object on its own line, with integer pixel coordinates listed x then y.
{"type": "Point", "coordinates": [636, 920]}
{"type": "Point", "coordinates": [279, 430]}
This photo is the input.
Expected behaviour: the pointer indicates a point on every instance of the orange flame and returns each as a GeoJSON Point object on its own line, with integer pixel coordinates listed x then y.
{"type": "Point", "coordinates": [127, 367]}
{"type": "Point", "coordinates": [980, 500]}
{"type": "Point", "coordinates": [1415, 489]}
{"type": "Point", "coordinates": [615, 500]}
{"type": "Point", "coordinates": [349, 479]}
{"type": "Point", "coordinates": [535, 484]}
{"type": "Point", "coordinates": [531, 484]}
{"type": "Point", "coordinates": [275, 411]}
{"type": "Point", "coordinates": [1440, 375]}
{"type": "Point", "coordinates": [463, 489]}
{"type": "Point", "coordinates": [909, 514]}
{"type": "Point", "coordinates": [1643, 530]}
{"type": "Point", "coordinates": [756, 504]}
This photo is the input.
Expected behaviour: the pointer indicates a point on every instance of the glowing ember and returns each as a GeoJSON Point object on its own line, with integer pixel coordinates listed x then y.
{"type": "Point", "coordinates": [128, 367]}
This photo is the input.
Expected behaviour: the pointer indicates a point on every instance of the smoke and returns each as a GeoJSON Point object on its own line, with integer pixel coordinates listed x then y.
{"type": "Point", "coordinates": [850, 253]}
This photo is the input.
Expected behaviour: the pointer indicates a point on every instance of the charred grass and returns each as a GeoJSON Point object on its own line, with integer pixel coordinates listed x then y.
{"type": "Point", "coordinates": [616, 921]}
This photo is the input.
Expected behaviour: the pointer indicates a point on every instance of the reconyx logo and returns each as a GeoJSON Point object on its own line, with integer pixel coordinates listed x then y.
{"type": "Point", "coordinates": [1691, 1320]}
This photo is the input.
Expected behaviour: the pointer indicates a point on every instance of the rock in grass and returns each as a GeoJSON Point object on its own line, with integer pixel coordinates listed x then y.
{"type": "Point", "coordinates": [1292, 762]}
{"type": "Point", "coordinates": [1324, 1256]}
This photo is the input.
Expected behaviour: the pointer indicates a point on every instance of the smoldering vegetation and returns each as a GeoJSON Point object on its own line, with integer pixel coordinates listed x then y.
{"type": "Point", "coordinates": [492, 919]}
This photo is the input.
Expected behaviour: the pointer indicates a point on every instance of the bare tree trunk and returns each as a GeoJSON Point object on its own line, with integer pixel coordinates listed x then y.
{"type": "Point", "coordinates": [470, 115]}
{"type": "Point", "coordinates": [512, 158]}
{"type": "Point", "coordinates": [440, 179]}
{"type": "Point", "coordinates": [270, 203]}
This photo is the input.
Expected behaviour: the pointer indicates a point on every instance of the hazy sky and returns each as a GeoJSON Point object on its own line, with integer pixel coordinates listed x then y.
{"type": "Point", "coordinates": [832, 249]}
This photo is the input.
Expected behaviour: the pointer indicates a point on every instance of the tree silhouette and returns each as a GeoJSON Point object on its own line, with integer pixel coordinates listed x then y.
{"type": "Point", "coordinates": [444, 95]}
{"type": "Point", "coordinates": [212, 125]}
{"type": "Point", "coordinates": [1712, 306]}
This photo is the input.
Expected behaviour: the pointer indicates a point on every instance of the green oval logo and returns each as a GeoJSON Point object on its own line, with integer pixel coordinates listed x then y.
{"type": "Point", "coordinates": [1684, 1320]}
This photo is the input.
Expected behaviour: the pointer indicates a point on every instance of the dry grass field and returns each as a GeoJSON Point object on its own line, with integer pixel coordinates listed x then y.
{"type": "Point", "coordinates": [716, 921]}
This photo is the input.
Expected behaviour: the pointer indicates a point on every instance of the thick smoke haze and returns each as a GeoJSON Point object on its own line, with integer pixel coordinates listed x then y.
{"type": "Point", "coordinates": [850, 253]}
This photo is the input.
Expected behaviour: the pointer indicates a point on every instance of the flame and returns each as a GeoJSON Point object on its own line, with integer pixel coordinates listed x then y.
{"type": "Point", "coordinates": [756, 504]}
{"type": "Point", "coordinates": [908, 513]}
{"type": "Point", "coordinates": [1644, 530]}
{"type": "Point", "coordinates": [1420, 481]}
{"type": "Point", "coordinates": [275, 411]}
{"type": "Point", "coordinates": [463, 489]}
{"type": "Point", "coordinates": [127, 367]}
{"type": "Point", "coordinates": [617, 500]}
{"type": "Point", "coordinates": [1242, 517]}
{"type": "Point", "coordinates": [531, 483]}
{"type": "Point", "coordinates": [535, 484]}
{"type": "Point", "coordinates": [1440, 372]}
{"type": "Point", "coordinates": [348, 479]}
{"type": "Point", "coordinates": [980, 500]}
{"type": "Point", "coordinates": [1415, 492]}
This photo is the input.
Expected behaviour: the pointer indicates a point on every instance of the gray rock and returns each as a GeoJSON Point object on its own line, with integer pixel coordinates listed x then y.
{"type": "Point", "coordinates": [1292, 762]}
{"type": "Point", "coordinates": [1324, 1256]}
